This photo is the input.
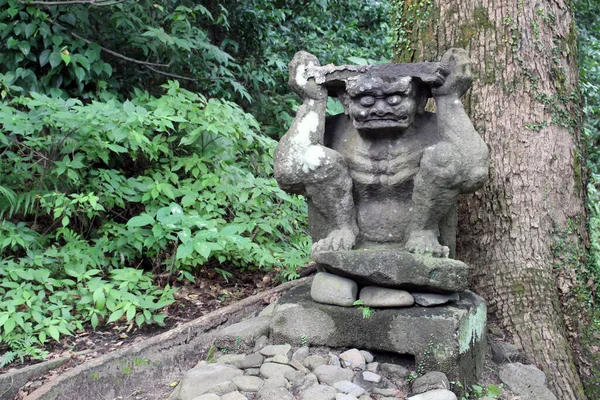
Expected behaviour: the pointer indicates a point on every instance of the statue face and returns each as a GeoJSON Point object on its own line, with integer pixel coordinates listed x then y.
{"type": "Point", "coordinates": [377, 106]}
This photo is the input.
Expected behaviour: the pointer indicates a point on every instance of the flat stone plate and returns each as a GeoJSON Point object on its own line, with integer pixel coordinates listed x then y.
{"type": "Point", "coordinates": [397, 269]}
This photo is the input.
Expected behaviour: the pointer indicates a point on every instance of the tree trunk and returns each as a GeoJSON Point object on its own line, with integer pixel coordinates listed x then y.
{"type": "Point", "coordinates": [522, 232]}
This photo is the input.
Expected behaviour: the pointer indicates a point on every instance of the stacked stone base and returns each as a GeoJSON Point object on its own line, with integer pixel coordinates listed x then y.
{"type": "Point", "coordinates": [448, 338]}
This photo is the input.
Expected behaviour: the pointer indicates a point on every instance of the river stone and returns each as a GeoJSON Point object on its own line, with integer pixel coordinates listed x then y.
{"type": "Point", "coordinates": [371, 377]}
{"type": "Point", "coordinates": [298, 365]}
{"type": "Point", "coordinates": [243, 333]}
{"type": "Point", "coordinates": [332, 289]}
{"type": "Point", "coordinates": [319, 392]}
{"type": "Point", "coordinates": [344, 396]}
{"type": "Point", "coordinates": [223, 388]}
{"type": "Point", "coordinates": [252, 371]}
{"type": "Point", "coordinates": [272, 350]}
{"type": "Point", "coordinates": [439, 394]}
{"type": "Point", "coordinates": [208, 396]}
{"type": "Point", "coordinates": [353, 358]}
{"type": "Point", "coordinates": [330, 374]}
{"type": "Point", "coordinates": [374, 296]}
{"type": "Point", "coordinates": [433, 299]}
{"type": "Point", "coordinates": [235, 360]}
{"type": "Point", "coordinates": [275, 394]}
{"type": "Point", "coordinates": [430, 381]}
{"type": "Point", "coordinates": [301, 353]}
{"type": "Point", "coordinates": [275, 383]}
{"type": "Point", "coordinates": [274, 370]}
{"type": "Point", "coordinates": [349, 387]}
{"type": "Point", "coordinates": [248, 383]}
{"type": "Point", "coordinates": [279, 359]}
{"type": "Point", "coordinates": [260, 343]}
{"type": "Point", "coordinates": [308, 381]}
{"type": "Point", "coordinates": [314, 361]}
{"type": "Point", "coordinates": [526, 381]}
{"type": "Point", "coordinates": [506, 353]}
{"type": "Point", "coordinates": [397, 269]}
{"type": "Point", "coordinates": [394, 371]}
{"type": "Point", "coordinates": [234, 396]}
{"type": "Point", "coordinates": [202, 379]}
{"type": "Point", "coordinates": [254, 360]}
{"type": "Point", "coordinates": [367, 356]}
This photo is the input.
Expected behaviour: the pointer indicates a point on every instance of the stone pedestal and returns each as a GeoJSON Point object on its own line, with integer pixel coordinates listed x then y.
{"type": "Point", "coordinates": [448, 338]}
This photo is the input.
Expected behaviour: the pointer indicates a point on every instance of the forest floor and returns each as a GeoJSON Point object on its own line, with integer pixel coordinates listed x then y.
{"type": "Point", "coordinates": [209, 293]}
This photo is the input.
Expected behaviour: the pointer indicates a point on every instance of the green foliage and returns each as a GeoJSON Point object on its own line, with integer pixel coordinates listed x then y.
{"type": "Point", "coordinates": [366, 311]}
{"type": "Point", "coordinates": [477, 391]}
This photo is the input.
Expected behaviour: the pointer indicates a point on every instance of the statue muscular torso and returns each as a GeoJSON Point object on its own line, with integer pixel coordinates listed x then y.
{"type": "Point", "coordinates": [382, 169]}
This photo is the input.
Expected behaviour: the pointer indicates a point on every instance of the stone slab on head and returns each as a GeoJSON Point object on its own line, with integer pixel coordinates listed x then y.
{"type": "Point", "coordinates": [456, 330]}
{"type": "Point", "coordinates": [397, 269]}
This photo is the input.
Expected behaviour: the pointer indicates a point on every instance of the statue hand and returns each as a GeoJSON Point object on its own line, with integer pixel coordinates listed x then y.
{"type": "Point", "coordinates": [460, 78]}
{"type": "Point", "coordinates": [305, 86]}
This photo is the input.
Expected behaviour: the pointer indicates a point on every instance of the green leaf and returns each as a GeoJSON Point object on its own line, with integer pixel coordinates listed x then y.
{"type": "Point", "coordinates": [99, 298]}
{"type": "Point", "coordinates": [140, 220]}
{"type": "Point", "coordinates": [115, 316]}
{"type": "Point", "coordinates": [9, 326]}
{"type": "Point", "coordinates": [79, 73]}
{"type": "Point", "coordinates": [53, 332]}
{"type": "Point", "coordinates": [94, 321]}
{"type": "Point", "coordinates": [65, 57]}
{"type": "Point", "coordinates": [184, 250]}
{"type": "Point", "coordinates": [55, 59]}
{"type": "Point", "coordinates": [25, 47]}
{"type": "Point", "coordinates": [130, 312]}
{"type": "Point", "coordinates": [29, 30]}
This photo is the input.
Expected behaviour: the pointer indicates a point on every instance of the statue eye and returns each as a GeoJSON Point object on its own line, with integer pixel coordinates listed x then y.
{"type": "Point", "coordinates": [367, 101]}
{"type": "Point", "coordinates": [394, 100]}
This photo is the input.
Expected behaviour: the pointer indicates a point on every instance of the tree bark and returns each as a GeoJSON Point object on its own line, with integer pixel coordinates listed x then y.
{"type": "Point", "coordinates": [523, 232]}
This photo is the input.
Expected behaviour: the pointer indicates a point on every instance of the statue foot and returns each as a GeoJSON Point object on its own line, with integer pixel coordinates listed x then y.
{"type": "Point", "coordinates": [425, 242]}
{"type": "Point", "coordinates": [339, 239]}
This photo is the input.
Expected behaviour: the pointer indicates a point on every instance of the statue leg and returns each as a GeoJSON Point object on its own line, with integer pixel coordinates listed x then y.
{"type": "Point", "coordinates": [436, 187]}
{"type": "Point", "coordinates": [325, 178]}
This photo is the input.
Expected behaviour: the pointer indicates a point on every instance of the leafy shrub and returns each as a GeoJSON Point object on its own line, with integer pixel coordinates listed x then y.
{"type": "Point", "coordinates": [93, 189]}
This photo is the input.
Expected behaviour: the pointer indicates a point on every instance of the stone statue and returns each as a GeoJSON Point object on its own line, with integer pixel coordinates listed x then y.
{"type": "Point", "coordinates": [386, 172]}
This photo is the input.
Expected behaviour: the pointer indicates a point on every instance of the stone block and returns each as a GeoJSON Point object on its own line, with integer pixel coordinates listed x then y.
{"type": "Point", "coordinates": [397, 269]}
{"type": "Point", "coordinates": [332, 289]}
{"type": "Point", "coordinates": [448, 338]}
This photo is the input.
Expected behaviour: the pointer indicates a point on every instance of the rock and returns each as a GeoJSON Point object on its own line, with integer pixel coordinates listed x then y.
{"type": "Point", "coordinates": [272, 350]}
{"type": "Point", "coordinates": [253, 371]}
{"type": "Point", "coordinates": [274, 371]}
{"type": "Point", "coordinates": [367, 356]}
{"type": "Point", "coordinates": [235, 360]}
{"type": "Point", "coordinates": [294, 376]}
{"type": "Point", "coordinates": [208, 396]}
{"type": "Point", "coordinates": [279, 359]}
{"type": "Point", "coordinates": [333, 289]}
{"type": "Point", "coordinates": [254, 360]}
{"type": "Point", "coordinates": [459, 328]}
{"type": "Point", "coordinates": [234, 396]}
{"type": "Point", "coordinates": [397, 268]}
{"type": "Point", "coordinates": [314, 361]}
{"type": "Point", "coordinates": [247, 383]}
{"type": "Point", "coordinates": [223, 388]}
{"type": "Point", "coordinates": [298, 366]}
{"type": "Point", "coordinates": [300, 354]}
{"type": "Point", "coordinates": [330, 374]}
{"type": "Point", "coordinates": [334, 360]}
{"type": "Point", "coordinates": [433, 299]}
{"type": "Point", "coordinates": [438, 394]}
{"type": "Point", "coordinates": [526, 381]}
{"type": "Point", "coordinates": [349, 388]}
{"type": "Point", "coordinates": [275, 383]}
{"type": "Point", "coordinates": [371, 377]}
{"type": "Point", "coordinates": [365, 397]}
{"type": "Point", "coordinates": [268, 310]}
{"type": "Point", "coordinates": [275, 394]}
{"type": "Point", "coordinates": [202, 379]}
{"type": "Point", "coordinates": [344, 396]}
{"type": "Point", "coordinates": [260, 343]}
{"type": "Point", "coordinates": [309, 380]}
{"type": "Point", "coordinates": [373, 367]}
{"type": "Point", "coordinates": [506, 353]}
{"type": "Point", "coordinates": [430, 381]}
{"type": "Point", "coordinates": [384, 392]}
{"type": "Point", "coordinates": [394, 371]}
{"type": "Point", "coordinates": [353, 359]}
{"type": "Point", "coordinates": [243, 333]}
{"type": "Point", "coordinates": [319, 392]}
{"type": "Point", "coordinates": [373, 296]}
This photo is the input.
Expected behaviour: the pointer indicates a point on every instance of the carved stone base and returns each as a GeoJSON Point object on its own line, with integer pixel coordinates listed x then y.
{"type": "Point", "coordinates": [449, 338]}
{"type": "Point", "coordinates": [397, 269]}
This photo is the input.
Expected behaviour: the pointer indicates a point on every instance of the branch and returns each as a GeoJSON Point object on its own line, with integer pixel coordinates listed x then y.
{"type": "Point", "coordinates": [97, 3]}
{"type": "Point", "coordinates": [114, 53]}
{"type": "Point", "coordinates": [171, 75]}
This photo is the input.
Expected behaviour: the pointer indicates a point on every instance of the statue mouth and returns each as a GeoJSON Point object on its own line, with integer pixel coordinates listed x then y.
{"type": "Point", "coordinates": [390, 118]}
